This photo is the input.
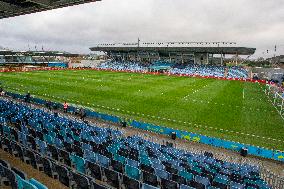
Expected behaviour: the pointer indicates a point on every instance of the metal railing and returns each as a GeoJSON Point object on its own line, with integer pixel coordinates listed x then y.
{"type": "Point", "coordinates": [275, 95]}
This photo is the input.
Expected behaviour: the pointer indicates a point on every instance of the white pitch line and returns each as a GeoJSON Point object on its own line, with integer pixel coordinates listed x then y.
{"type": "Point", "coordinates": [243, 107]}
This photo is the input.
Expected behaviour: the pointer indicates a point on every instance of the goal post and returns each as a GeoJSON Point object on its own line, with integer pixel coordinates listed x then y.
{"type": "Point", "coordinates": [276, 97]}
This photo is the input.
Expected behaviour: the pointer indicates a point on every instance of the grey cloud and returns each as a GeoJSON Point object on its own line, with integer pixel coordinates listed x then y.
{"type": "Point", "coordinates": [253, 23]}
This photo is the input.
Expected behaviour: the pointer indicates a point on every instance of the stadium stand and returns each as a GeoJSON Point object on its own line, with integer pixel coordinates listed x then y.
{"type": "Point", "coordinates": [161, 65]}
{"type": "Point", "coordinates": [58, 64]}
{"type": "Point", "coordinates": [81, 155]}
{"type": "Point", "coordinates": [202, 70]}
{"type": "Point", "coordinates": [26, 59]}
{"type": "Point", "coordinates": [123, 66]}
{"type": "Point", "coordinates": [234, 72]}
{"type": "Point", "coordinates": [2, 60]}
{"type": "Point", "coordinates": [237, 72]}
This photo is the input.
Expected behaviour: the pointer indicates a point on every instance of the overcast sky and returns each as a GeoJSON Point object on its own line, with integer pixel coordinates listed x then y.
{"type": "Point", "coordinates": [251, 23]}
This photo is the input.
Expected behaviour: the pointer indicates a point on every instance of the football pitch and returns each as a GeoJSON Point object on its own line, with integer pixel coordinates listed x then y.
{"type": "Point", "coordinates": [231, 110]}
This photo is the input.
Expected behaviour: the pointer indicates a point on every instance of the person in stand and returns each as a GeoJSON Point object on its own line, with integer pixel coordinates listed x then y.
{"type": "Point", "coordinates": [2, 92]}
{"type": "Point", "coordinates": [77, 112]}
{"type": "Point", "coordinates": [82, 114]}
{"type": "Point", "coordinates": [28, 97]}
{"type": "Point", "coordinates": [65, 107]}
{"type": "Point", "coordinates": [48, 105]}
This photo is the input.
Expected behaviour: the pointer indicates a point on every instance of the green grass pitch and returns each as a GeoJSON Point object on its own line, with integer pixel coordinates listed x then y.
{"type": "Point", "coordinates": [230, 110]}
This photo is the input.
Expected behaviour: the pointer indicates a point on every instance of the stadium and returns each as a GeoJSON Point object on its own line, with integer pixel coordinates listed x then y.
{"type": "Point", "coordinates": [142, 115]}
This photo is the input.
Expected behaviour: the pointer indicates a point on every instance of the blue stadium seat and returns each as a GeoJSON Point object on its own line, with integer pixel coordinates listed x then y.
{"type": "Point", "coordinates": [103, 161]}
{"type": "Point", "coordinates": [182, 186]}
{"type": "Point", "coordinates": [37, 184]}
{"type": "Point", "coordinates": [162, 174]}
{"type": "Point", "coordinates": [23, 184]}
{"type": "Point", "coordinates": [78, 162]}
{"type": "Point", "coordinates": [132, 172]}
{"type": "Point", "coordinates": [220, 181]}
{"type": "Point", "coordinates": [201, 182]}
{"type": "Point", "coordinates": [133, 163]}
{"type": "Point", "coordinates": [146, 186]}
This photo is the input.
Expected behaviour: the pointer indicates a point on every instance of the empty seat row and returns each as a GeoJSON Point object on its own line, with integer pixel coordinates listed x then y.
{"type": "Point", "coordinates": [49, 166]}
{"type": "Point", "coordinates": [17, 179]}
{"type": "Point", "coordinates": [134, 158]}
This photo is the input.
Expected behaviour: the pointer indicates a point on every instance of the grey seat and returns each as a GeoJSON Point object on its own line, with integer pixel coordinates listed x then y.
{"type": "Point", "coordinates": [8, 177]}
{"type": "Point", "coordinates": [20, 173]}
{"type": "Point", "coordinates": [112, 177]}
{"type": "Point", "coordinates": [80, 181]}
{"type": "Point", "coordinates": [94, 170]}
